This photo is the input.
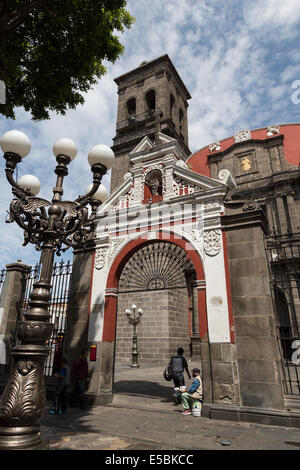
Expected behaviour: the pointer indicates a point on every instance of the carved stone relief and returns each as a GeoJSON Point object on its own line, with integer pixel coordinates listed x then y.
{"type": "Point", "coordinates": [212, 242]}
{"type": "Point", "coordinates": [100, 256]}
{"type": "Point", "coordinates": [215, 147]}
{"type": "Point", "coordinates": [242, 135]}
{"type": "Point", "coordinates": [273, 130]}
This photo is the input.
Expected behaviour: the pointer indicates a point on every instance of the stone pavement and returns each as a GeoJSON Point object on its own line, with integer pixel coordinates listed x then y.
{"type": "Point", "coordinates": [142, 416]}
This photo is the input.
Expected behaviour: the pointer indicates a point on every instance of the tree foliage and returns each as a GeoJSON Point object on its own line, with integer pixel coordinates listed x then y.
{"type": "Point", "coordinates": [52, 51]}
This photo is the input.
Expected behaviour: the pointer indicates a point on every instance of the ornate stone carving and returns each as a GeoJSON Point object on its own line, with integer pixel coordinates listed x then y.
{"type": "Point", "coordinates": [212, 242]}
{"type": "Point", "coordinates": [242, 135]}
{"type": "Point", "coordinates": [156, 166]}
{"type": "Point", "coordinates": [251, 206]}
{"type": "Point", "coordinates": [215, 147]}
{"type": "Point", "coordinates": [183, 187]}
{"type": "Point", "coordinates": [182, 164]}
{"type": "Point", "coordinates": [273, 130]}
{"type": "Point", "coordinates": [115, 244]}
{"type": "Point", "coordinates": [100, 256]}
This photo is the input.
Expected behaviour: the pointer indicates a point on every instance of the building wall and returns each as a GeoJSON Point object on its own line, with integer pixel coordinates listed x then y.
{"type": "Point", "coordinates": [164, 325]}
{"type": "Point", "coordinates": [257, 349]}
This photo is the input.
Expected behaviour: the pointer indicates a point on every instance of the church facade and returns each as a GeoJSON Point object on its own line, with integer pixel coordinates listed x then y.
{"type": "Point", "coordinates": [207, 244]}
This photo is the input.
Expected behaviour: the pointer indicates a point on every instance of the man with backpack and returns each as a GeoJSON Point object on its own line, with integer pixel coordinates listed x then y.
{"type": "Point", "coordinates": [178, 364]}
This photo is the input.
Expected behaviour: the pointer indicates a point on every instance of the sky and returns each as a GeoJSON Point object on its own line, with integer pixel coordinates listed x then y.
{"type": "Point", "coordinates": [240, 61]}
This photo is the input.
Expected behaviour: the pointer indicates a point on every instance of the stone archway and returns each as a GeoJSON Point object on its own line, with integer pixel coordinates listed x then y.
{"type": "Point", "coordinates": [111, 293]}
{"type": "Point", "coordinates": [107, 352]}
{"type": "Point", "coordinates": [156, 278]}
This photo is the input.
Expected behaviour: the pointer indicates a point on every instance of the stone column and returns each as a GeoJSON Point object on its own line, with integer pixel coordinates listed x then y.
{"type": "Point", "coordinates": [11, 297]}
{"type": "Point", "coordinates": [79, 305]}
{"type": "Point", "coordinates": [258, 356]}
{"type": "Point", "coordinates": [282, 214]}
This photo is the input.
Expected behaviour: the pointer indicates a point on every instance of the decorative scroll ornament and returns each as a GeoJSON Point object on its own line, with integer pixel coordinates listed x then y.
{"type": "Point", "coordinates": [181, 187]}
{"type": "Point", "coordinates": [251, 206]}
{"type": "Point", "coordinates": [273, 130]}
{"type": "Point", "coordinates": [182, 164]}
{"type": "Point", "coordinates": [212, 242]}
{"type": "Point", "coordinates": [114, 246]}
{"type": "Point", "coordinates": [242, 135]}
{"type": "Point", "coordinates": [100, 256]}
{"type": "Point", "coordinates": [215, 147]}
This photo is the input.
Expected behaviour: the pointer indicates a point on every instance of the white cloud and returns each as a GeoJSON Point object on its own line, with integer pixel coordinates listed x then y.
{"type": "Point", "coordinates": [238, 60]}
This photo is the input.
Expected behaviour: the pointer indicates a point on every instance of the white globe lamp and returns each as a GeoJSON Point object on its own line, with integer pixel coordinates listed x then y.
{"type": "Point", "coordinates": [100, 194]}
{"type": "Point", "coordinates": [16, 142]}
{"type": "Point", "coordinates": [101, 154]}
{"type": "Point", "coordinates": [31, 182]}
{"type": "Point", "coordinates": [65, 147]}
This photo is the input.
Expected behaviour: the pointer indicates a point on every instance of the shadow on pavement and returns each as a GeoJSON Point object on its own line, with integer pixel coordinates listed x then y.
{"type": "Point", "coordinates": [142, 387]}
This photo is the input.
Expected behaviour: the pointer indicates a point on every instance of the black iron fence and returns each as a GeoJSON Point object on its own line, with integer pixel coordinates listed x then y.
{"type": "Point", "coordinates": [284, 261]}
{"type": "Point", "coordinates": [60, 291]}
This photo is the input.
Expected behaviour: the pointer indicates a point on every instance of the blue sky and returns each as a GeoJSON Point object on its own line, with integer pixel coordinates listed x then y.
{"type": "Point", "coordinates": [238, 59]}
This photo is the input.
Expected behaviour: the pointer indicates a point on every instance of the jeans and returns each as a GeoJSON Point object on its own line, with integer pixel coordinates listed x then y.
{"type": "Point", "coordinates": [59, 401]}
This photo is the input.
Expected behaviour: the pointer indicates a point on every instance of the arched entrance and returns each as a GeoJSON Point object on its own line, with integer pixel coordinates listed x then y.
{"type": "Point", "coordinates": [165, 278]}
{"type": "Point", "coordinates": [158, 278]}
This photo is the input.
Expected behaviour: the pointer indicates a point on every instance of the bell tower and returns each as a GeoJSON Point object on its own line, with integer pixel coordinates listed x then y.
{"type": "Point", "coordinates": [152, 99]}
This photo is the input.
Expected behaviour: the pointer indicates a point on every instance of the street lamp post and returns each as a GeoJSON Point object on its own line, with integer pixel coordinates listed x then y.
{"type": "Point", "coordinates": [65, 222]}
{"type": "Point", "coordinates": [134, 321]}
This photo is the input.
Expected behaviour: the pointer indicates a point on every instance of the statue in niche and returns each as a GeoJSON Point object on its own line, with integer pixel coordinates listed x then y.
{"type": "Point", "coordinates": [246, 164]}
{"type": "Point", "coordinates": [154, 182]}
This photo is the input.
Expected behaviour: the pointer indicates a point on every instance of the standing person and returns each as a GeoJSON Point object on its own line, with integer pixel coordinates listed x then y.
{"type": "Point", "coordinates": [79, 376]}
{"type": "Point", "coordinates": [194, 393]}
{"type": "Point", "coordinates": [178, 364]}
{"type": "Point", "coordinates": [59, 401]}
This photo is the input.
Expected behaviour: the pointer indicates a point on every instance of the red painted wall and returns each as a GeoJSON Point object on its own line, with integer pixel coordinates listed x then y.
{"type": "Point", "coordinates": [198, 161]}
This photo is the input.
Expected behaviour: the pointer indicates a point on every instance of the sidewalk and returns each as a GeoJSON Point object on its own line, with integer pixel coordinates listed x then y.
{"type": "Point", "coordinates": [142, 416]}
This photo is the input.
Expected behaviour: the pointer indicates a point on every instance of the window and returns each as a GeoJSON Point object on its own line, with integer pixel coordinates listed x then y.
{"type": "Point", "coordinates": [150, 100]}
{"type": "Point", "coordinates": [181, 116]}
{"type": "Point", "coordinates": [131, 107]}
{"type": "Point", "coordinates": [172, 103]}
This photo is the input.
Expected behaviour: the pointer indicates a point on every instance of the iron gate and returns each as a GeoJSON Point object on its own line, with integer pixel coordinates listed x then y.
{"type": "Point", "coordinates": [284, 262]}
{"type": "Point", "coordinates": [60, 281]}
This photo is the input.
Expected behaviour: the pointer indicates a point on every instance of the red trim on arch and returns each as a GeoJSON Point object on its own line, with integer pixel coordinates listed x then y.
{"type": "Point", "coordinates": [110, 317]}
{"type": "Point", "coordinates": [227, 278]}
{"type": "Point", "coordinates": [122, 258]}
{"type": "Point", "coordinates": [203, 323]}
{"type": "Point", "coordinates": [110, 311]}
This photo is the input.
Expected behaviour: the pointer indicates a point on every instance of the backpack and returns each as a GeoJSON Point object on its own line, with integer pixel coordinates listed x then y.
{"type": "Point", "coordinates": [168, 373]}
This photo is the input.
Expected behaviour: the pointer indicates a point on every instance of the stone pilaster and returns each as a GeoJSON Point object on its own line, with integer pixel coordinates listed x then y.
{"type": "Point", "coordinates": [258, 357]}
{"type": "Point", "coordinates": [11, 297]}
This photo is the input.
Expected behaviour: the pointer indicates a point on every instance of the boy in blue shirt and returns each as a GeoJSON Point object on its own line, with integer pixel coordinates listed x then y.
{"type": "Point", "coordinates": [194, 393]}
